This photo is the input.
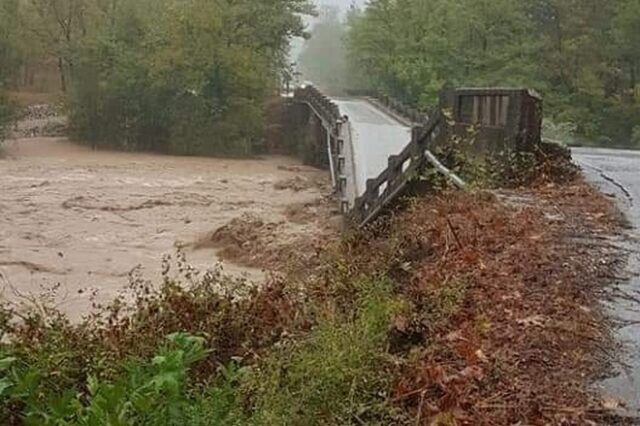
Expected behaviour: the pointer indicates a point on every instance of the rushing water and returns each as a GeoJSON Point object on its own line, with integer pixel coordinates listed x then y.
{"type": "Point", "coordinates": [85, 219]}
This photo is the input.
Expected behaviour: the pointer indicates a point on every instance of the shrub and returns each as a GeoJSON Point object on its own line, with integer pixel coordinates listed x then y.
{"type": "Point", "coordinates": [338, 375]}
{"type": "Point", "coordinates": [146, 393]}
{"type": "Point", "coordinates": [274, 357]}
{"type": "Point", "coordinates": [7, 111]}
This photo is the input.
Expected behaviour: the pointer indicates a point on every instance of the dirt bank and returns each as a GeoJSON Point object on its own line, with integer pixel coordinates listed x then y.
{"type": "Point", "coordinates": [82, 219]}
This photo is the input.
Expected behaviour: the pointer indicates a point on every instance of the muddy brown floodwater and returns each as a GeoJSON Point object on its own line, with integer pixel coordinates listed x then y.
{"type": "Point", "coordinates": [81, 219]}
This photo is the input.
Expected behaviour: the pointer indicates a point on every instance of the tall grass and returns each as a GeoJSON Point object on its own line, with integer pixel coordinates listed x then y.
{"type": "Point", "coordinates": [204, 350]}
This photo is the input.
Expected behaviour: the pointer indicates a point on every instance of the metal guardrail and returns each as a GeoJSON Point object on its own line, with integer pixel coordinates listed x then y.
{"type": "Point", "coordinates": [401, 109]}
{"type": "Point", "coordinates": [391, 104]}
{"type": "Point", "coordinates": [401, 168]}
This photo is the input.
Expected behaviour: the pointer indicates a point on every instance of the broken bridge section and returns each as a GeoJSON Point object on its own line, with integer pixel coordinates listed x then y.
{"type": "Point", "coordinates": [374, 147]}
{"type": "Point", "coordinates": [373, 136]}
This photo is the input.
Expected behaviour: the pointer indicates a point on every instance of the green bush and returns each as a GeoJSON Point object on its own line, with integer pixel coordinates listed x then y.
{"type": "Point", "coordinates": [7, 111]}
{"type": "Point", "coordinates": [147, 393]}
{"type": "Point", "coordinates": [262, 356]}
{"type": "Point", "coordinates": [191, 82]}
{"type": "Point", "coordinates": [338, 375]}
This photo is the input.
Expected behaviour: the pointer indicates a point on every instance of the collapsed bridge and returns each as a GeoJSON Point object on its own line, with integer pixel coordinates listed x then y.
{"type": "Point", "coordinates": [375, 147]}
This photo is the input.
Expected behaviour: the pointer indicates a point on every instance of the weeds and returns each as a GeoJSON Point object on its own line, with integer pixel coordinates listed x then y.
{"type": "Point", "coordinates": [425, 318]}
{"type": "Point", "coordinates": [549, 163]}
{"type": "Point", "coordinates": [338, 375]}
{"type": "Point", "coordinates": [146, 392]}
{"type": "Point", "coordinates": [261, 355]}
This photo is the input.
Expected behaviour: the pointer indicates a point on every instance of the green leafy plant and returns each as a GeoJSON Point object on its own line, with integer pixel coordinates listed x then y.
{"type": "Point", "coordinates": [7, 114]}
{"type": "Point", "coordinates": [150, 393]}
{"type": "Point", "coordinates": [338, 374]}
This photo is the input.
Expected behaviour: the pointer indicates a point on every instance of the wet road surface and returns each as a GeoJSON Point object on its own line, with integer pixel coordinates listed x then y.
{"type": "Point", "coordinates": [618, 172]}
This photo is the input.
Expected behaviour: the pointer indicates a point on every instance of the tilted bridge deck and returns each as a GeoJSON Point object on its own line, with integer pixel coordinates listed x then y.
{"type": "Point", "coordinates": [376, 146]}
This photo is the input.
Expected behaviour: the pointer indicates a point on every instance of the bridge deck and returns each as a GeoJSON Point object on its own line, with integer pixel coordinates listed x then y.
{"type": "Point", "coordinates": [375, 135]}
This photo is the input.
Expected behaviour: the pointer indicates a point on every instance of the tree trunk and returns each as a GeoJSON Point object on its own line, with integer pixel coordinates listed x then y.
{"type": "Point", "coordinates": [633, 81]}
{"type": "Point", "coordinates": [63, 79]}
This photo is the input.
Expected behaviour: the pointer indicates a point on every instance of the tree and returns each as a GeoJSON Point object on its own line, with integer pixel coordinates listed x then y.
{"type": "Point", "coordinates": [10, 58]}
{"type": "Point", "coordinates": [581, 54]}
{"type": "Point", "coordinates": [181, 76]}
{"type": "Point", "coordinates": [412, 48]}
{"type": "Point", "coordinates": [59, 26]}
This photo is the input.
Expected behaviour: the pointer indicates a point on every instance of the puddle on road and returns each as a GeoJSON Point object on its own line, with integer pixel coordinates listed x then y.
{"type": "Point", "coordinates": [85, 219]}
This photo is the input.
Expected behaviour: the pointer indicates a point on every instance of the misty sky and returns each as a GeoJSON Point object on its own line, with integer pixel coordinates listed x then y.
{"type": "Point", "coordinates": [342, 3]}
{"type": "Point", "coordinates": [297, 44]}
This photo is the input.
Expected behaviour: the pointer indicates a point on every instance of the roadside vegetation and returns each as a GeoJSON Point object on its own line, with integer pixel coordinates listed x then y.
{"type": "Point", "coordinates": [425, 318]}
{"type": "Point", "coordinates": [581, 55]}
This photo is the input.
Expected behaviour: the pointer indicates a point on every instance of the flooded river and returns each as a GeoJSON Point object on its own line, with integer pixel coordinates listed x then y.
{"type": "Point", "coordinates": [82, 220]}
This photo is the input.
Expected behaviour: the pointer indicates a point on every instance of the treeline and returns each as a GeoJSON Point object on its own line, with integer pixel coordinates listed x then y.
{"type": "Point", "coordinates": [8, 62]}
{"type": "Point", "coordinates": [178, 76]}
{"type": "Point", "coordinates": [582, 55]}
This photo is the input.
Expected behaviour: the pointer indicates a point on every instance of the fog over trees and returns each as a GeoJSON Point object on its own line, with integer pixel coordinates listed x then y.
{"type": "Point", "coordinates": [582, 56]}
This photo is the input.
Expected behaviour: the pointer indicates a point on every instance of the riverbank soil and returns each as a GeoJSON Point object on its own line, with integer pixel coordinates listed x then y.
{"type": "Point", "coordinates": [81, 221]}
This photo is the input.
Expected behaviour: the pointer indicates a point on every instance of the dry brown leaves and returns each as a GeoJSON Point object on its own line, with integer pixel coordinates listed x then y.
{"type": "Point", "coordinates": [507, 305]}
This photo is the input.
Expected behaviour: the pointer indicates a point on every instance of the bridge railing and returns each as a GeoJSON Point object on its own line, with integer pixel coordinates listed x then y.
{"type": "Point", "coordinates": [328, 111]}
{"type": "Point", "coordinates": [401, 109]}
{"type": "Point", "coordinates": [393, 105]}
{"type": "Point", "coordinates": [500, 118]}
{"type": "Point", "coordinates": [400, 170]}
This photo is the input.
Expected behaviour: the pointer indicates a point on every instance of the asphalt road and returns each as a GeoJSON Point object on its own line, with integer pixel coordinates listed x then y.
{"type": "Point", "coordinates": [618, 172]}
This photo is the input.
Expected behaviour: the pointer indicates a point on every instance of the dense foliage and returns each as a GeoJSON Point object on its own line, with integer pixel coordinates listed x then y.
{"type": "Point", "coordinates": [187, 77]}
{"type": "Point", "coordinates": [582, 55]}
{"type": "Point", "coordinates": [183, 77]}
{"type": "Point", "coordinates": [9, 59]}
